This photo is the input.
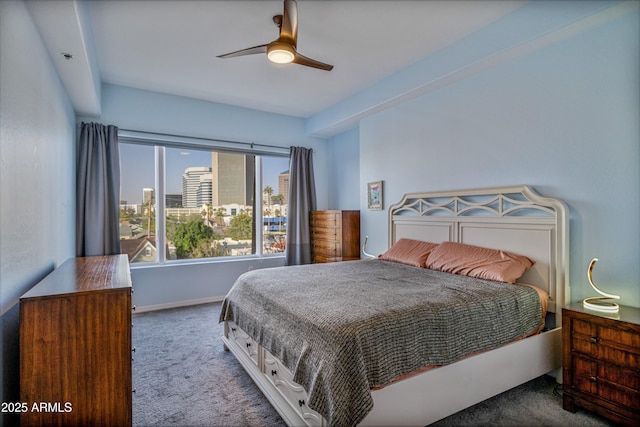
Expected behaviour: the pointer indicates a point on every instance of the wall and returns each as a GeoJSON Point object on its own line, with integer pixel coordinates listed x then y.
{"type": "Point", "coordinates": [344, 188]}
{"type": "Point", "coordinates": [37, 176]}
{"type": "Point", "coordinates": [563, 119]}
{"type": "Point", "coordinates": [134, 109]}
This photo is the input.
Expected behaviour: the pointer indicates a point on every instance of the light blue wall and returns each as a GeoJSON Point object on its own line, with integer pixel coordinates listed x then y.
{"type": "Point", "coordinates": [141, 110]}
{"type": "Point", "coordinates": [563, 119]}
{"type": "Point", "coordinates": [344, 181]}
{"type": "Point", "coordinates": [533, 24]}
{"type": "Point", "coordinates": [134, 109]}
{"type": "Point", "coordinates": [37, 176]}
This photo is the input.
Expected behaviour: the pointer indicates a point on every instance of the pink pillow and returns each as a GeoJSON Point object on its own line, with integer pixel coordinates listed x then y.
{"type": "Point", "coordinates": [408, 251]}
{"type": "Point", "coordinates": [479, 262]}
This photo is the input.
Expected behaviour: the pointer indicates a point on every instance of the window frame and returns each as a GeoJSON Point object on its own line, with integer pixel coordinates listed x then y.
{"type": "Point", "coordinates": [161, 142]}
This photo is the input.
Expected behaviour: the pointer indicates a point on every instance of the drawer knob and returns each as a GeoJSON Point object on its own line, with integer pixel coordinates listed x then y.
{"type": "Point", "coordinates": [593, 379]}
{"type": "Point", "coordinates": [594, 340]}
{"type": "Point", "coordinates": [273, 372]}
{"type": "Point", "coordinates": [133, 308]}
{"type": "Point", "coordinates": [248, 344]}
{"type": "Point", "coordinates": [301, 402]}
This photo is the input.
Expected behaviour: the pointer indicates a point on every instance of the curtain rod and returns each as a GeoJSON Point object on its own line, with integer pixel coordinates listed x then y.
{"type": "Point", "coordinates": [200, 141]}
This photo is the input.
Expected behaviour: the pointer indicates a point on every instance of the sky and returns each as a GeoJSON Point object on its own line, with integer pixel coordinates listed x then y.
{"type": "Point", "coordinates": [137, 169]}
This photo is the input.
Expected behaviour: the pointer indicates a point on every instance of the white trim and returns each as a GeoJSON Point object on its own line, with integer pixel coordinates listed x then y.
{"type": "Point", "coordinates": [161, 224]}
{"type": "Point", "coordinates": [258, 230]}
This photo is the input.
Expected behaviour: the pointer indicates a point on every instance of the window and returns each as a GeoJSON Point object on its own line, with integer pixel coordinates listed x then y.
{"type": "Point", "coordinates": [203, 202]}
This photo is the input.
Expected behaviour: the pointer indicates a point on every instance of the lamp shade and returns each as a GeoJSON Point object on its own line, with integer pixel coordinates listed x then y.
{"type": "Point", "coordinates": [280, 53]}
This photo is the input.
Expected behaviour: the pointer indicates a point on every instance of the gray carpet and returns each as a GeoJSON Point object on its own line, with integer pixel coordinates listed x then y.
{"type": "Point", "coordinates": [183, 377]}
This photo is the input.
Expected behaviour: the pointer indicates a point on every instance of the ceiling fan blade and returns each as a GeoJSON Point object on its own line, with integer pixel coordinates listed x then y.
{"type": "Point", "coordinates": [303, 60]}
{"type": "Point", "coordinates": [280, 50]}
{"type": "Point", "coordinates": [248, 51]}
{"type": "Point", "coordinates": [289, 27]}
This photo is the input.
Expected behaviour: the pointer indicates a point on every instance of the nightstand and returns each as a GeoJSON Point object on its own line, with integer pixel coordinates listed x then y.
{"type": "Point", "coordinates": [601, 362]}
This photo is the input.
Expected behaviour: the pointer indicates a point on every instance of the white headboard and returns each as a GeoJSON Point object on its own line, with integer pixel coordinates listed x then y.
{"type": "Point", "coordinates": [514, 219]}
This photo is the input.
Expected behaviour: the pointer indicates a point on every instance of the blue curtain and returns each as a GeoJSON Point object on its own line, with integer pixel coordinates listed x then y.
{"type": "Point", "coordinates": [98, 191]}
{"type": "Point", "coordinates": [302, 200]}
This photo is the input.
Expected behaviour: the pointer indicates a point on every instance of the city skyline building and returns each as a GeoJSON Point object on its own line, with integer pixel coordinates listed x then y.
{"type": "Point", "coordinates": [196, 186]}
{"type": "Point", "coordinates": [232, 178]}
{"type": "Point", "coordinates": [148, 196]}
{"type": "Point", "coordinates": [283, 186]}
{"type": "Point", "coordinates": [173, 200]}
{"type": "Point", "coordinates": [204, 192]}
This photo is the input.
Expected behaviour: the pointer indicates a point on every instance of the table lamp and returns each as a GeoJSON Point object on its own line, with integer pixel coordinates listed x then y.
{"type": "Point", "coordinates": [603, 303]}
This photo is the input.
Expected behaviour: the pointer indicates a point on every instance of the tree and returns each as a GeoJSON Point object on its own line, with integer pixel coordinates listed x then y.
{"type": "Point", "coordinates": [209, 249]}
{"type": "Point", "coordinates": [190, 235]}
{"type": "Point", "coordinates": [207, 212]}
{"type": "Point", "coordinates": [126, 213]}
{"type": "Point", "coordinates": [150, 209]}
{"type": "Point", "coordinates": [268, 191]}
{"type": "Point", "coordinates": [240, 226]}
{"type": "Point", "coordinates": [279, 215]}
{"type": "Point", "coordinates": [220, 213]}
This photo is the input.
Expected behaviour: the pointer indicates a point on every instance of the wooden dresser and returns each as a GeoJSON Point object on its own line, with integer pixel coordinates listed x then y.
{"type": "Point", "coordinates": [601, 362]}
{"type": "Point", "coordinates": [335, 236]}
{"type": "Point", "coordinates": [75, 345]}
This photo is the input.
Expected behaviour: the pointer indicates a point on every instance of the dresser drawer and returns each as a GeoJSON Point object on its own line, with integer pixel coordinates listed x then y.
{"type": "Point", "coordinates": [611, 383]}
{"type": "Point", "coordinates": [588, 374]}
{"type": "Point", "coordinates": [326, 233]}
{"type": "Point", "coordinates": [244, 341]}
{"type": "Point", "coordinates": [326, 220]}
{"type": "Point", "coordinates": [294, 394]}
{"type": "Point", "coordinates": [319, 259]}
{"type": "Point", "coordinates": [326, 247]}
{"type": "Point", "coordinates": [606, 343]}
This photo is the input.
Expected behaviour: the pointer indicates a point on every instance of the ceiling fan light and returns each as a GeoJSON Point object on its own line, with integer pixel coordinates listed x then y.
{"type": "Point", "coordinates": [280, 53]}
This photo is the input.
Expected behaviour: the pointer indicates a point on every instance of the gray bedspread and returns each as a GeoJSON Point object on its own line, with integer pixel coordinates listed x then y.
{"type": "Point", "coordinates": [345, 328]}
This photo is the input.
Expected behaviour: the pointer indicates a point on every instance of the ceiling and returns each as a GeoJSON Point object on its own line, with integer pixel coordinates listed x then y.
{"type": "Point", "coordinates": [171, 46]}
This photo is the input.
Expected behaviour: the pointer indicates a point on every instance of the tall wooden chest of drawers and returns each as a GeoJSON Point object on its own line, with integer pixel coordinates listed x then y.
{"type": "Point", "coordinates": [335, 236]}
{"type": "Point", "coordinates": [601, 362]}
{"type": "Point", "coordinates": [75, 345]}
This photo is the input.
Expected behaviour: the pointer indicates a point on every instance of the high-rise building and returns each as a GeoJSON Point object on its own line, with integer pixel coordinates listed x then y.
{"type": "Point", "coordinates": [148, 196]}
{"type": "Point", "coordinates": [283, 186]}
{"type": "Point", "coordinates": [196, 187]}
{"type": "Point", "coordinates": [204, 193]}
{"type": "Point", "coordinates": [173, 200]}
{"type": "Point", "coordinates": [232, 178]}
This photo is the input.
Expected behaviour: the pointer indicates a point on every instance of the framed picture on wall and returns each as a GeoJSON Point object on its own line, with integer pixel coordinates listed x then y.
{"type": "Point", "coordinates": [374, 195]}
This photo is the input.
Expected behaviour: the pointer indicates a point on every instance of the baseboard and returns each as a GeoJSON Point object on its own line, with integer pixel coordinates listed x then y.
{"type": "Point", "coordinates": [176, 304]}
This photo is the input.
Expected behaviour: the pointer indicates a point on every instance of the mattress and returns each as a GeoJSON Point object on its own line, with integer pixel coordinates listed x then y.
{"type": "Point", "coordinates": [343, 329]}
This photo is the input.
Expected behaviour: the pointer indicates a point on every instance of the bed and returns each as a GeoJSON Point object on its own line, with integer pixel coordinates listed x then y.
{"type": "Point", "coordinates": [371, 342]}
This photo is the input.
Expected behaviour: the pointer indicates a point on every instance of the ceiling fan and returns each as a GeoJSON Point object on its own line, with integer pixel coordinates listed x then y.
{"type": "Point", "coordinates": [283, 49]}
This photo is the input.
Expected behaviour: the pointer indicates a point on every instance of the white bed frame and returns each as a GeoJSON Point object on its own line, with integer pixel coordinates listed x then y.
{"type": "Point", "coordinates": [515, 219]}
